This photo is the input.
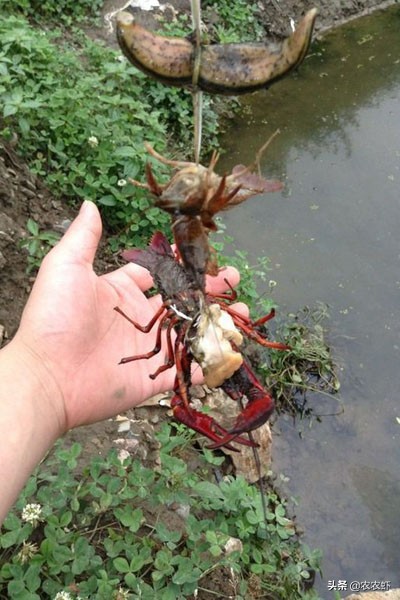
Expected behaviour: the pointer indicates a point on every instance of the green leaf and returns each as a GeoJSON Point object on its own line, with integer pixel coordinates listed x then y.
{"type": "Point", "coordinates": [211, 536]}
{"type": "Point", "coordinates": [62, 554]}
{"type": "Point", "coordinates": [24, 125]}
{"type": "Point", "coordinates": [215, 550]}
{"type": "Point", "coordinates": [126, 152]}
{"type": "Point", "coordinates": [32, 579]}
{"type": "Point", "coordinates": [16, 589]}
{"type": "Point", "coordinates": [65, 518]}
{"type": "Point", "coordinates": [80, 564]}
{"type": "Point", "coordinates": [187, 572]}
{"type": "Point", "coordinates": [138, 561]}
{"type": "Point", "coordinates": [9, 109]}
{"type": "Point", "coordinates": [32, 227]}
{"type": "Point", "coordinates": [108, 200]}
{"type": "Point", "coordinates": [105, 501]}
{"type": "Point", "coordinates": [74, 504]}
{"type": "Point", "coordinates": [211, 457]}
{"type": "Point", "coordinates": [162, 562]}
{"type": "Point", "coordinates": [10, 538]}
{"type": "Point", "coordinates": [11, 522]}
{"type": "Point", "coordinates": [121, 564]}
{"type": "Point", "coordinates": [167, 535]}
{"type": "Point", "coordinates": [131, 581]}
{"type": "Point", "coordinates": [252, 517]}
{"type": "Point", "coordinates": [131, 518]}
{"type": "Point", "coordinates": [169, 594]}
{"type": "Point", "coordinates": [206, 489]}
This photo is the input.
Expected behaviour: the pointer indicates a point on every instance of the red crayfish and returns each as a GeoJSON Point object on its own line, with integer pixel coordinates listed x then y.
{"type": "Point", "coordinates": [208, 330]}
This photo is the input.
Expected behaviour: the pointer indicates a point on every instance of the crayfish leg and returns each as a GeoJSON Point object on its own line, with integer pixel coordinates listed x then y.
{"type": "Point", "coordinates": [142, 328]}
{"type": "Point", "coordinates": [145, 329]}
{"type": "Point", "coordinates": [170, 350]}
{"type": "Point", "coordinates": [247, 326]}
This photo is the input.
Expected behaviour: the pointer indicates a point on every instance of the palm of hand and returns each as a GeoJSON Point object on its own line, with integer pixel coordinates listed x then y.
{"type": "Point", "coordinates": [70, 326]}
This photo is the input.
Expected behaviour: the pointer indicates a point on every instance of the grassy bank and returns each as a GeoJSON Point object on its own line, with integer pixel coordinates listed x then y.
{"type": "Point", "coordinates": [79, 114]}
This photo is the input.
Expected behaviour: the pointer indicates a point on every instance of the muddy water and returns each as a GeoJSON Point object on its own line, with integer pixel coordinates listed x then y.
{"type": "Point", "coordinates": [334, 236]}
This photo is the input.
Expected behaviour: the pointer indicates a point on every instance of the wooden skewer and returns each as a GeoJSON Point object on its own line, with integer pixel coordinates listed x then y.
{"type": "Point", "coordinates": [197, 94]}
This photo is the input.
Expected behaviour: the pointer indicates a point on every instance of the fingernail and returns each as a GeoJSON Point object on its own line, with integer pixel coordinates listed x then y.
{"type": "Point", "coordinates": [84, 206]}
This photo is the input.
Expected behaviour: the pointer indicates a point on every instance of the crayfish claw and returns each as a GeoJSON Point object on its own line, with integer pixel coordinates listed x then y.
{"type": "Point", "coordinates": [207, 426]}
{"type": "Point", "coordinates": [256, 414]}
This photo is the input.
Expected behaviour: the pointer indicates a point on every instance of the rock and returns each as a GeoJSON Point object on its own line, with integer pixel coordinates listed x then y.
{"type": "Point", "coordinates": [224, 410]}
{"type": "Point", "coordinates": [8, 227]}
{"type": "Point", "coordinates": [233, 545]}
{"type": "Point", "coordinates": [198, 391]}
{"type": "Point", "coordinates": [62, 226]}
{"type": "Point", "coordinates": [183, 510]}
{"type": "Point", "coordinates": [157, 400]}
{"type": "Point", "coordinates": [28, 192]}
{"type": "Point", "coordinates": [244, 461]}
{"type": "Point", "coordinates": [390, 595]}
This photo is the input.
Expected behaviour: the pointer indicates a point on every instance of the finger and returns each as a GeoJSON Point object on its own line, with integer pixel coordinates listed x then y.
{"type": "Point", "coordinates": [79, 243]}
{"type": "Point", "coordinates": [217, 285]}
{"type": "Point", "coordinates": [132, 274]}
{"type": "Point", "coordinates": [241, 308]}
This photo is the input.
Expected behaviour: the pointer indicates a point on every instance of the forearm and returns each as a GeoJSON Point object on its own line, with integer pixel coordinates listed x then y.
{"type": "Point", "coordinates": [29, 423]}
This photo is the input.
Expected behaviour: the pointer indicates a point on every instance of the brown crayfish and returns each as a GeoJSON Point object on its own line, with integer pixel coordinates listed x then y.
{"type": "Point", "coordinates": [208, 330]}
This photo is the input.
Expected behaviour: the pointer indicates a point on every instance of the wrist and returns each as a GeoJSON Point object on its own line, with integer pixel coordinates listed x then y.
{"type": "Point", "coordinates": [30, 420]}
{"type": "Point", "coordinates": [32, 389]}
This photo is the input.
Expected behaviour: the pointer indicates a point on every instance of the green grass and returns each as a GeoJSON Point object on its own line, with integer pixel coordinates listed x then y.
{"type": "Point", "coordinates": [81, 114]}
{"type": "Point", "coordinates": [104, 531]}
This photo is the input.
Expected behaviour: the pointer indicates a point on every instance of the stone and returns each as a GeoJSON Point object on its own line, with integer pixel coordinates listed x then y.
{"type": "Point", "coordinates": [224, 410]}
{"type": "Point", "coordinates": [8, 227]}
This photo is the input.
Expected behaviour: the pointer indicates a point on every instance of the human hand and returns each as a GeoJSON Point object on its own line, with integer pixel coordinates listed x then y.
{"type": "Point", "coordinates": [72, 340]}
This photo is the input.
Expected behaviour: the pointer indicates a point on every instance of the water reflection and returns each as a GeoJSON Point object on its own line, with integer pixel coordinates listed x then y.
{"type": "Point", "coordinates": [334, 236]}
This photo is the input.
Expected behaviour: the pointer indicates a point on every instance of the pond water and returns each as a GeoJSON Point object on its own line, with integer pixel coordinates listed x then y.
{"type": "Point", "coordinates": [333, 236]}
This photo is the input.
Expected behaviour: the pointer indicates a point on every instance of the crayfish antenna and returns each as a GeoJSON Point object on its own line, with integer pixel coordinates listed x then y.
{"type": "Point", "coordinates": [225, 442]}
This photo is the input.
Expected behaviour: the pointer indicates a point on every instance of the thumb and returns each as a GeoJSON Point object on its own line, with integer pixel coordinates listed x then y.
{"type": "Point", "coordinates": [79, 243]}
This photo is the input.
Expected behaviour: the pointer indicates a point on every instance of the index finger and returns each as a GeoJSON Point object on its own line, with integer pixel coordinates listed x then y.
{"type": "Point", "coordinates": [218, 284]}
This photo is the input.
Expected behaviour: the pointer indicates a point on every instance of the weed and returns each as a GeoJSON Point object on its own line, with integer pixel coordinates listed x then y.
{"type": "Point", "coordinates": [308, 367]}
{"type": "Point", "coordinates": [235, 21]}
{"type": "Point", "coordinates": [67, 12]}
{"type": "Point", "coordinates": [225, 22]}
{"type": "Point", "coordinates": [37, 243]}
{"type": "Point", "coordinates": [82, 115]}
{"type": "Point", "coordinates": [98, 532]}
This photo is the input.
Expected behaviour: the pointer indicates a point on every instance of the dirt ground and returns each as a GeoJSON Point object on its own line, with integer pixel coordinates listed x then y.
{"type": "Point", "coordinates": [276, 14]}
